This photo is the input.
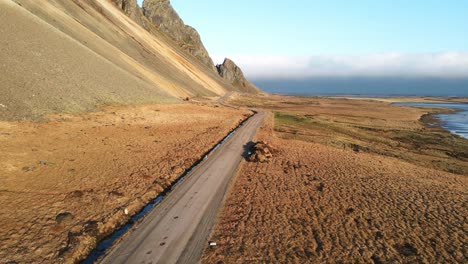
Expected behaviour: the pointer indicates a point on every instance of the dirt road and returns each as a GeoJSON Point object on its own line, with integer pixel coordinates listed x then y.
{"type": "Point", "coordinates": [176, 231]}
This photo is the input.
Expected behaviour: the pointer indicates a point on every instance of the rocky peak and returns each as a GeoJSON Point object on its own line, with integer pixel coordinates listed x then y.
{"type": "Point", "coordinates": [162, 15]}
{"type": "Point", "coordinates": [230, 72]}
{"type": "Point", "coordinates": [131, 9]}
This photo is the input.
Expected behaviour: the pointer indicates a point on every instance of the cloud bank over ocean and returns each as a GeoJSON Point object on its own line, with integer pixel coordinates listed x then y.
{"type": "Point", "coordinates": [391, 64]}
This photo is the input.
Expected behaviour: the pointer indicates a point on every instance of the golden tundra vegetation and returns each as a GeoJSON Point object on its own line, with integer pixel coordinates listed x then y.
{"type": "Point", "coordinates": [350, 181]}
{"type": "Point", "coordinates": [92, 127]}
{"type": "Point", "coordinates": [93, 122]}
{"type": "Point", "coordinates": [68, 182]}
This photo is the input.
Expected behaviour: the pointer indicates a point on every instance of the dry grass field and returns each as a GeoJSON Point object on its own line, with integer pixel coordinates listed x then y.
{"type": "Point", "coordinates": [367, 126]}
{"type": "Point", "coordinates": [331, 194]}
{"type": "Point", "coordinates": [66, 182]}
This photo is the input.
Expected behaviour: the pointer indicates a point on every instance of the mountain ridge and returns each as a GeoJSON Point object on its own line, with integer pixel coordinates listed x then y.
{"type": "Point", "coordinates": [164, 17]}
{"type": "Point", "coordinates": [73, 56]}
{"type": "Point", "coordinates": [161, 15]}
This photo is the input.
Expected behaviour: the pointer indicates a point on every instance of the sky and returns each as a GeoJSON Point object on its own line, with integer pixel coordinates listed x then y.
{"type": "Point", "coordinates": [307, 38]}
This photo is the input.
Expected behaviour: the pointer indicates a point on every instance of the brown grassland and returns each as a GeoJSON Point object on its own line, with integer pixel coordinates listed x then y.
{"type": "Point", "coordinates": [350, 181]}
{"type": "Point", "coordinates": [68, 181]}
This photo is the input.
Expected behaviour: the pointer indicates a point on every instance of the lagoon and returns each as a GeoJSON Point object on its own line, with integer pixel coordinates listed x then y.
{"type": "Point", "coordinates": [456, 123]}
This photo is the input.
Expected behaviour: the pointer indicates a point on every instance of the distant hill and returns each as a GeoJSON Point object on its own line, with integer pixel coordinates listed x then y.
{"type": "Point", "coordinates": [70, 56]}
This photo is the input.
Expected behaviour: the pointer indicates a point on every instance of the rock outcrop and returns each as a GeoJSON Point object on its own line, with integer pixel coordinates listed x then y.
{"type": "Point", "coordinates": [262, 152]}
{"type": "Point", "coordinates": [163, 16]}
{"type": "Point", "coordinates": [132, 10]}
{"type": "Point", "coordinates": [159, 15]}
{"type": "Point", "coordinates": [230, 72]}
{"type": "Point", "coordinates": [135, 12]}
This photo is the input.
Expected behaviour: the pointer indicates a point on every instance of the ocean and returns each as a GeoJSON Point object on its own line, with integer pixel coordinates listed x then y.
{"type": "Point", "coordinates": [357, 86]}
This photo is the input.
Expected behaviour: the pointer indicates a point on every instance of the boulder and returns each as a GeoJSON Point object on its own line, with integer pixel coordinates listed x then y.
{"type": "Point", "coordinates": [261, 152]}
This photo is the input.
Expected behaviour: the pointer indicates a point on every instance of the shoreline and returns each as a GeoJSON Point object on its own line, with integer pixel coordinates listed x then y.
{"type": "Point", "coordinates": [433, 118]}
{"type": "Point", "coordinates": [429, 120]}
{"type": "Point", "coordinates": [384, 98]}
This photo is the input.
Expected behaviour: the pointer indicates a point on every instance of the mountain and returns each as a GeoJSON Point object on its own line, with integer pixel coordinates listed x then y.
{"type": "Point", "coordinates": [162, 15]}
{"type": "Point", "coordinates": [133, 10]}
{"type": "Point", "coordinates": [230, 72]}
{"type": "Point", "coordinates": [165, 18]}
{"type": "Point", "coordinates": [74, 55]}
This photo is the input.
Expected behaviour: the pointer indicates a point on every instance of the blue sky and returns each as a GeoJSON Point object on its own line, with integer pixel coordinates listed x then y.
{"type": "Point", "coordinates": [316, 35]}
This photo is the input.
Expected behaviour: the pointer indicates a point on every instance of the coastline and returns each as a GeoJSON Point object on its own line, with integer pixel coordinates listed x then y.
{"type": "Point", "coordinates": [435, 116]}
{"type": "Point", "coordinates": [383, 98]}
{"type": "Point", "coordinates": [431, 119]}
{"type": "Point", "coordinates": [407, 99]}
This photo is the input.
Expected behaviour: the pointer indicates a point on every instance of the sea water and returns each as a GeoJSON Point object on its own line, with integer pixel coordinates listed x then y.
{"type": "Point", "coordinates": [367, 86]}
{"type": "Point", "coordinates": [456, 122]}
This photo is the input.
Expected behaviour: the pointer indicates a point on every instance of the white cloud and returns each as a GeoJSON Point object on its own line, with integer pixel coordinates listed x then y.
{"type": "Point", "coordinates": [443, 64]}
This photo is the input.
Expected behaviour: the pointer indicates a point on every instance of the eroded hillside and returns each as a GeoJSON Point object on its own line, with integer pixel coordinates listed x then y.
{"type": "Point", "coordinates": [69, 56]}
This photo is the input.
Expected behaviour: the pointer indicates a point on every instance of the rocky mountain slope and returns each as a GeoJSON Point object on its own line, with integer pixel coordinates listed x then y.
{"type": "Point", "coordinates": [70, 56]}
{"type": "Point", "coordinates": [165, 18]}
{"type": "Point", "coordinates": [133, 10]}
{"type": "Point", "coordinates": [234, 75]}
{"type": "Point", "coordinates": [161, 15]}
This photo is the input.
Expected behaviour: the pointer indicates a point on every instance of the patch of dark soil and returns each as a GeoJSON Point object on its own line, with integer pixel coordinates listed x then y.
{"type": "Point", "coordinates": [64, 218]}
{"type": "Point", "coordinates": [406, 249]}
{"type": "Point", "coordinates": [90, 228]}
